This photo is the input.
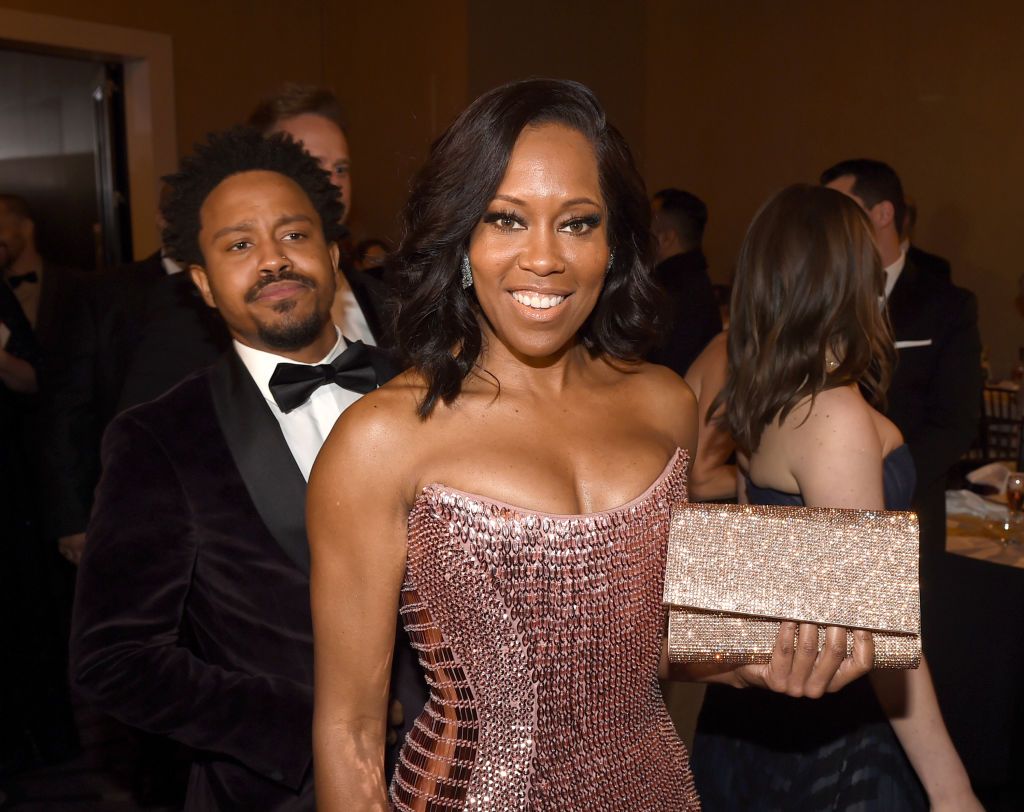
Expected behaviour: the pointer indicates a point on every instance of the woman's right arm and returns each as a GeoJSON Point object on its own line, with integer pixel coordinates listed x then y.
{"type": "Point", "coordinates": [711, 476]}
{"type": "Point", "coordinates": [356, 517]}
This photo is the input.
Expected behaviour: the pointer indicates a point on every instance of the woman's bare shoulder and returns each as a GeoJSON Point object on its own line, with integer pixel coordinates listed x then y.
{"type": "Point", "coordinates": [839, 418]}
{"type": "Point", "coordinates": [665, 399]}
{"type": "Point", "coordinates": [376, 435]}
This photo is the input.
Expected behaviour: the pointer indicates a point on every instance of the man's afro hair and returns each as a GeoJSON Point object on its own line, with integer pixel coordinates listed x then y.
{"type": "Point", "coordinates": [241, 149]}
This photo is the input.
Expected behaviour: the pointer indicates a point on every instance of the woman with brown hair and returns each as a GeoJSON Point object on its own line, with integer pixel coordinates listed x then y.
{"type": "Point", "coordinates": [808, 339]}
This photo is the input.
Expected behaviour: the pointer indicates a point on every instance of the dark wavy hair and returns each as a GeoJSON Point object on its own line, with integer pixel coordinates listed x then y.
{"type": "Point", "coordinates": [808, 283]}
{"type": "Point", "coordinates": [436, 323]}
{"type": "Point", "coordinates": [241, 149]}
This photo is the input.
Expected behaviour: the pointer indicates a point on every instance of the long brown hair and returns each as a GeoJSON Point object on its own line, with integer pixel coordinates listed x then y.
{"type": "Point", "coordinates": [809, 283]}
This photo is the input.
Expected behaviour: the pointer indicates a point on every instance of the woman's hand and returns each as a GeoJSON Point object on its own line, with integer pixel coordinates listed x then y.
{"type": "Point", "coordinates": [797, 668]}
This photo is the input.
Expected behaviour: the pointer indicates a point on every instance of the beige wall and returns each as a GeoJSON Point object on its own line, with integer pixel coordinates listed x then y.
{"type": "Point", "coordinates": [732, 100]}
{"type": "Point", "coordinates": [744, 98]}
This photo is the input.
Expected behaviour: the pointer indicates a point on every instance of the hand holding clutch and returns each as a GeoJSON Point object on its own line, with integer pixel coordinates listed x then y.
{"type": "Point", "coordinates": [740, 578]}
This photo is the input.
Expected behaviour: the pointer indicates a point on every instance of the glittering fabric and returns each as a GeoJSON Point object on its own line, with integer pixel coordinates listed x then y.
{"type": "Point", "coordinates": [732, 566]}
{"type": "Point", "coordinates": [541, 637]}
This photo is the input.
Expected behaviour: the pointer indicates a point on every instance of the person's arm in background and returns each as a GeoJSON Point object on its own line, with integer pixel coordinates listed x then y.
{"type": "Point", "coordinates": [17, 374]}
{"type": "Point", "coordinates": [19, 351]}
{"type": "Point", "coordinates": [712, 475]}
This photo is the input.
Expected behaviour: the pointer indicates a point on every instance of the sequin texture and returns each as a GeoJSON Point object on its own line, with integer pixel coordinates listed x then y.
{"type": "Point", "coordinates": [734, 570]}
{"type": "Point", "coordinates": [541, 637]}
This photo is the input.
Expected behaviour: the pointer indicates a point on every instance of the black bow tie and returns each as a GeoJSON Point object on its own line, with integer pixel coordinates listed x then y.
{"type": "Point", "coordinates": [14, 281]}
{"type": "Point", "coordinates": [293, 384]}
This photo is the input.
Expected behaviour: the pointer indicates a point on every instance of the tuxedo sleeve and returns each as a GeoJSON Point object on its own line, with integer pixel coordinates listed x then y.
{"type": "Point", "coordinates": [128, 650]}
{"type": "Point", "coordinates": [952, 406]}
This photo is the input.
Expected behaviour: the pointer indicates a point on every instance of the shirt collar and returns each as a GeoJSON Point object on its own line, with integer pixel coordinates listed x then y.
{"type": "Point", "coordinates": [261, 365]}
{"type": "Point", "coordinates": [170, 266]}
{"type": "Point", "coordinates": [892, 273]}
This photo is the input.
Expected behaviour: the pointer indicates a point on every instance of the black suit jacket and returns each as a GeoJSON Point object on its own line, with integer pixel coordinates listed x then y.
{"type": "Point", "coordinates": [135, 333]}
{"type": "Point", "coordinates": [695, 318]}
{"type": "Point", "coordinates": [935, 395]}
{"type": "Point", "coordinates": [372, 295]}
{"type": "Point", "coordinates": [192, 615]}
{"type": "Point", "coordinates": [926, 261]}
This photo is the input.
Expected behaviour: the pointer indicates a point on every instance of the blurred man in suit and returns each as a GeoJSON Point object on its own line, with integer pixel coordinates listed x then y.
{"type": "Point", "coordinates": [314, 117]}
{"type": "Point", "coordinates": [47, 292]}
{"type": "Point", "coordinates": [920, 258]}
{"type": "Point", "coordinates": [192, 614]}
{"type": "Point", "coordinates": [935, 394]}
{"type": "Point", "coordinates": [138, 330]}
{"type": "Point", "coordinates": [935, 401]}
{"type": "Point", "coordinates": [678, 220]}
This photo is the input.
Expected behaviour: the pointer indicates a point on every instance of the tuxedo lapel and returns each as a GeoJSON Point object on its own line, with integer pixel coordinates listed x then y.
{"type": "Point", "coordinates": [902, 300]}
{"type": "Point", "coordinates": [261, 453]}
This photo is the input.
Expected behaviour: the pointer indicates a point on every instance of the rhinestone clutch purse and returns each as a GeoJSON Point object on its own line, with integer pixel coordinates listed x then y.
{"type": "Point", "coordinates": [734, 572]}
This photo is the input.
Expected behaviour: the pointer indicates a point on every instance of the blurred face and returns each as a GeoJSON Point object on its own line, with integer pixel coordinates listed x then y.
{"type": "Point", "coordinates": [268, 269]}
{"type": "Point", "coordinates": [324, 140]}
{"type": "Point", "coordinates": [14, 235]}
{"type": "Point", "coordinates": [540, 251]}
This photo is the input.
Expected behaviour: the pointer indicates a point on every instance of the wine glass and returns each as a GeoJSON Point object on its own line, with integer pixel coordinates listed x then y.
{"type": "Point", "coordinates": [1014, 506]}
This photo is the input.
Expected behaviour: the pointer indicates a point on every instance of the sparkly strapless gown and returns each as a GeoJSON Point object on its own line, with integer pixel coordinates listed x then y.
{"type": "Point", "coordinates": [541, 637]}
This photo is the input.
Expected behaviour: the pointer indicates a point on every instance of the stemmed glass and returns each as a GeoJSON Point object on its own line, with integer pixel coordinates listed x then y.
{"type": "Point", "coordinates": [1014, 506]}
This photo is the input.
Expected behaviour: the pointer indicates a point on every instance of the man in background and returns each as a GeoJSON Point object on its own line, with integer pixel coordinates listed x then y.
{"type": "Point", "coordinates": [935, 401]}
{"type": "Point", "coordinates": [138, 330]}
{"type": "Point", "coordinates": [678, 221]}
{"type": "Point", "coordinates": [313, 116]}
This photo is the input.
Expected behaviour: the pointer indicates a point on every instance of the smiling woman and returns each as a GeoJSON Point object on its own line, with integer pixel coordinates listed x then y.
{"type": "Point", "coordinates": [530, 580]}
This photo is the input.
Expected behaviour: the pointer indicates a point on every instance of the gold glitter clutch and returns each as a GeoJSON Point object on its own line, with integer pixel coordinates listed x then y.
{"type": "Point", "coordinates": [734, 572]}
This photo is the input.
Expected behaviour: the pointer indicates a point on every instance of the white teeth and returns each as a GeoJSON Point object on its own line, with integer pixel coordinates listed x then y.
{"type": "Point", "coordinates": [536, 300]}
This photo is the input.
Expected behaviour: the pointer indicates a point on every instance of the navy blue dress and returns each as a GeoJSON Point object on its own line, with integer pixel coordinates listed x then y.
{"type": "Point", "coordinates": [756, 750]}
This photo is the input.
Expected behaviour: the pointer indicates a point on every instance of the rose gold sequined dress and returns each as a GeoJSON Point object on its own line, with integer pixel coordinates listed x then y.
{"type": "Point", "coordinates": [541, 638]}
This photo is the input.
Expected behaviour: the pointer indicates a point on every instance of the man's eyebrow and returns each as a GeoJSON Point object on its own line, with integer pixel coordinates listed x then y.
{"type": "Point", "coordinates": [249, 225]}
{"type": "Point", "coordinates": [245, 225]}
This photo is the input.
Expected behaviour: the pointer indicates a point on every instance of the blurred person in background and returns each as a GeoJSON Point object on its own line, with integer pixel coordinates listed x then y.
{"type": "Point", "coordinates": [313, 116]}
{"type": "Point", "coordinates": [677, 222]}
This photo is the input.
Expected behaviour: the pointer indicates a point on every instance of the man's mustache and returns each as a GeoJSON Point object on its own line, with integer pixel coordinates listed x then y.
{"type": "Point", "coordinates": [283, 276]}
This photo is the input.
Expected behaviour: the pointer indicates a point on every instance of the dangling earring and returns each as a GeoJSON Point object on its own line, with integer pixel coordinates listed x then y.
{"type": "Point", "coordinates": [611, 261]}
{"type": "Point", "coordinates": [467, 272]}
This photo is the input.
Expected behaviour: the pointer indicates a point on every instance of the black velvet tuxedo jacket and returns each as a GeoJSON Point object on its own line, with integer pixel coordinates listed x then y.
{"type": "Point", "coordinates": [192, 615]}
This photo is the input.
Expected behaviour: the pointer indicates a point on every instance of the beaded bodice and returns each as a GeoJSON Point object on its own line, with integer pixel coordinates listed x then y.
{"type": "Point", "coordinates": [540, 636]}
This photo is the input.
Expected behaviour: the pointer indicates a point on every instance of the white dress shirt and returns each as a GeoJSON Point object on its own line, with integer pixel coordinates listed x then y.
{"type": "Point", "coordinates": [306, 427]}
{"type": "Point", "coordinates": [347, 313]}
{"type": "Point", "coordinates": [892, 273]}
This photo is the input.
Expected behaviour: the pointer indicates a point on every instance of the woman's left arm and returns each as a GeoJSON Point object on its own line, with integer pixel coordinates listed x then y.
{"type": "Point", "coordinates": [838, 462]}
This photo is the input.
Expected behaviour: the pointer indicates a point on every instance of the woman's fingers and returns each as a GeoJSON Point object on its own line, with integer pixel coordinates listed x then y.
{"type": "Point", "coordinates": [862, 661]}
{"type": "Point", "coordinates": [781, 664]}
{"type": "Point", "coordinates": [828, 662]}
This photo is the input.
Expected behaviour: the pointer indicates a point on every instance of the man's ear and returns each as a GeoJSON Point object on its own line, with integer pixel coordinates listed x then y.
{"type": "Point", "coordinates": [202, 281]}
{"type": "Point", "coordinates": [335, 254]}
{"type": "Point", "coordinates": [883, 214]}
